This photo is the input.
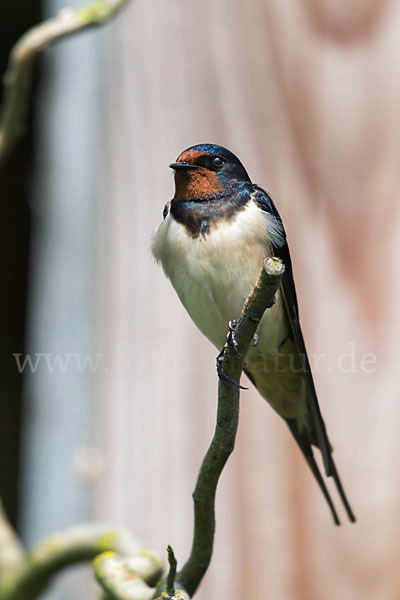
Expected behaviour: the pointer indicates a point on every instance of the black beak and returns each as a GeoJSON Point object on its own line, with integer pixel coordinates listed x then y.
{"type": "Point", "coordinates": [183, 166]}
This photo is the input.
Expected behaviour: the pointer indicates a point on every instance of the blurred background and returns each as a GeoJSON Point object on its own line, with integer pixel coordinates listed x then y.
{"type": "Point", "coordinates": [109, 391]}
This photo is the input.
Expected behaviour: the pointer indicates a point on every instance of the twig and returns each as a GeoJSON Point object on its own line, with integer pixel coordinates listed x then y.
{"type": "Point", "coordinates": [11, 550]}
{"type": "Point", "coordinates": [19, 74]}
{"type": "Point", "coordinates": [120, 580]}
{"type": "Point", "coordinates": [34, 572]}
{"type": "Point", "coordinates": [172, 572]}
{"type": "Point", "coordinates": [222, 445]}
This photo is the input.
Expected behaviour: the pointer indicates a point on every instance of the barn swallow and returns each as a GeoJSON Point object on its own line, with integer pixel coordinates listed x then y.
{"type": "Point", "coordinates": [217, 230]}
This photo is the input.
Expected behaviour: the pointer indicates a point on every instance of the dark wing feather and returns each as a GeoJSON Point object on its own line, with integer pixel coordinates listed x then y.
{"type": "Point", "coordinates": [265, 203]}
{"type": "Point", "coordinates": [290, 301]}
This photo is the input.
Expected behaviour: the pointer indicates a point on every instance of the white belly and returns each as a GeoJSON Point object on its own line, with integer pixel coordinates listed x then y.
{"type": "Point", "coordinates": [213, 275]}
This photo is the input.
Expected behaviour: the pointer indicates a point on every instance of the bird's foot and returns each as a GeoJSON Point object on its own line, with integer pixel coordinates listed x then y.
{"type": "Point", "coordinates": [226, 379]}
{"type": "Point", "coordinates": [255, 340]}
{"type": "Point", "coordinates": [231, 337]}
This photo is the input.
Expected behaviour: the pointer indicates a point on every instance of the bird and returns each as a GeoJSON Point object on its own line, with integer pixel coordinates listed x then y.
{"type": "Point", "coordinates": [212, 242]}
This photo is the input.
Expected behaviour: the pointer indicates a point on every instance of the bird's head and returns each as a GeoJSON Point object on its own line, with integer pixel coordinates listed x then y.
{"type": "Point", "coordinates": [206, 171]}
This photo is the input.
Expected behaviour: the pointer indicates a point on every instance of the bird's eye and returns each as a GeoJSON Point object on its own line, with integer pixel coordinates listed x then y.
{"type": "Point", "coordinates": [217, 162]}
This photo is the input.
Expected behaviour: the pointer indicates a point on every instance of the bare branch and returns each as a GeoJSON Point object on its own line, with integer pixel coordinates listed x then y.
{"type": "Point", "coordinates": [33, 573]}
{"type": "Point", "coordinates": [222, 445]}
{"type": "Point", "coordinates": [11, 550]}
{"type": "Point", "coordinates": [172, 572]}
{"type": "Point", "coordinates": [120, 580]}
{"type": "Point", "coordinates": [20, 70]}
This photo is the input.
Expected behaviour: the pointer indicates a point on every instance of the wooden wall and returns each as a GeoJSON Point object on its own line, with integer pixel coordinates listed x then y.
{"type": "Point", "coordinates": [308, 95]}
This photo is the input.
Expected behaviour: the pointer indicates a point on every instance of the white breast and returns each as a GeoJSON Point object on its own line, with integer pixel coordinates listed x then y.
{"type": "Point", "coordinates": [213, 275]}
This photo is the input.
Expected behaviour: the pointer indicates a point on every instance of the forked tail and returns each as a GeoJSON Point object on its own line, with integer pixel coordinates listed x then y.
{"type": "Point", "coordinates": [306, 448]}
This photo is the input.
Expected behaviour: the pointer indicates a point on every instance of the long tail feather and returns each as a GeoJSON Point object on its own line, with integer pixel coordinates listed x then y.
{"type": "Point", "coordinates": [306, 449]}
{"type": "Point", "coordinates": [341, 492]}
